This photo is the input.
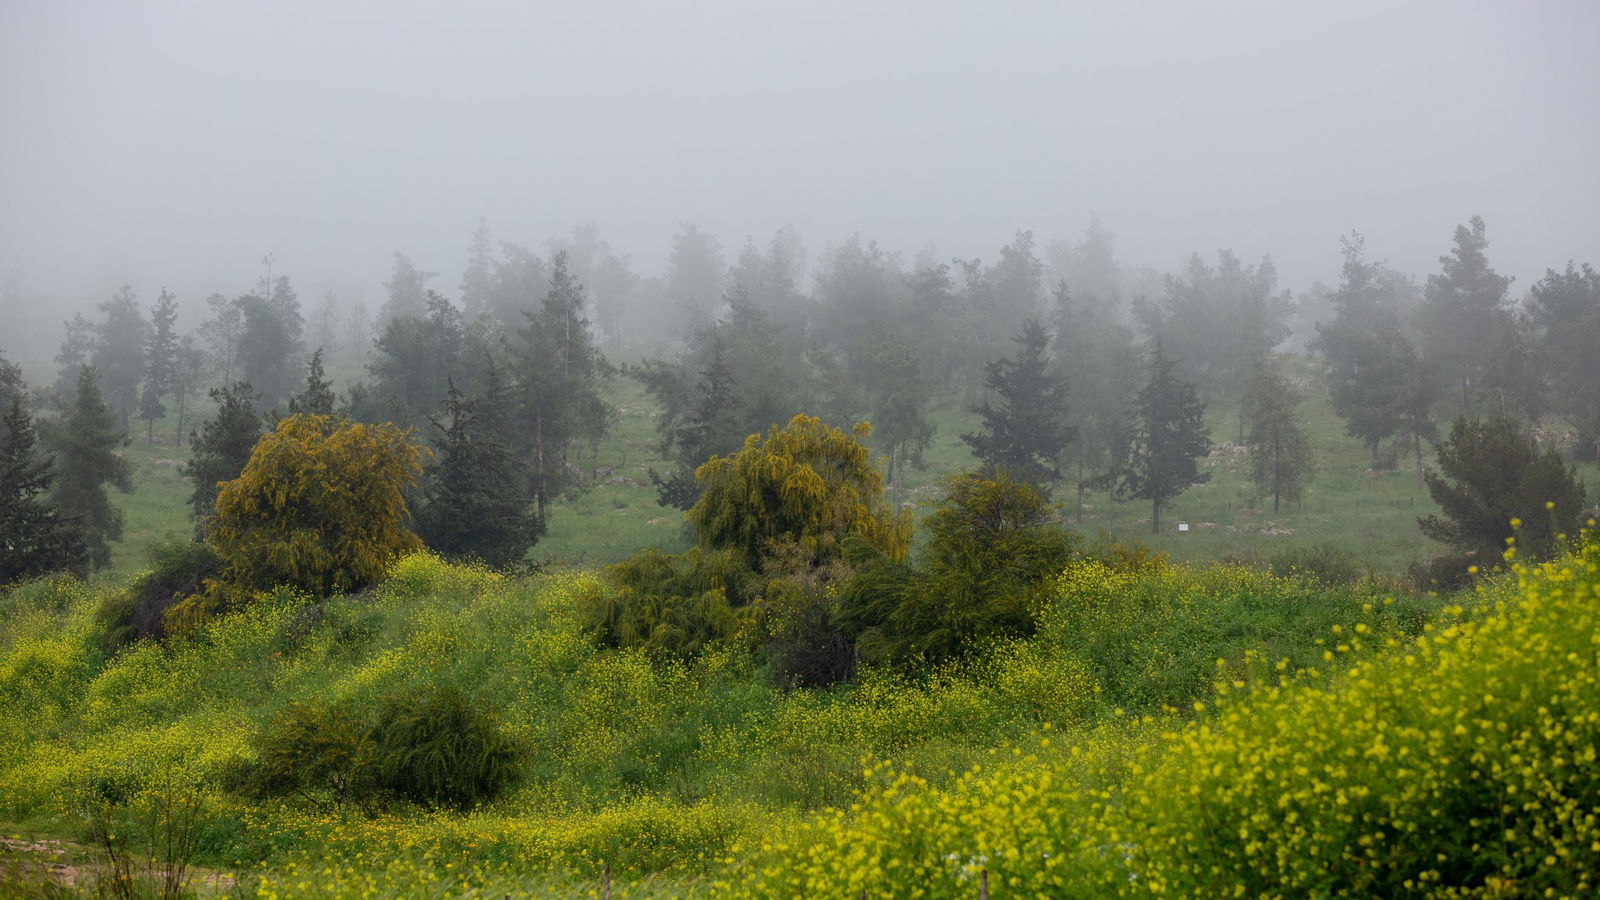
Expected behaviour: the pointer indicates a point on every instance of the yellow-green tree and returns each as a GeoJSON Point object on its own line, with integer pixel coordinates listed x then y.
{"type": "Point", "coordinates": [318, 508]}
{"type": "Point", "coordinates": [807, 483]}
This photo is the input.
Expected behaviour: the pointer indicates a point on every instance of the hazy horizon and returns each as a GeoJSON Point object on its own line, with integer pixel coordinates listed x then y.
{"type": "Point", "coordinates": [177, 143]}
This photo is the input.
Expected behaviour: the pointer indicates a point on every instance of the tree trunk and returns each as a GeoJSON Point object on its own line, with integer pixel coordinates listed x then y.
{"type": "Point", "coordinates": [1080, 487]}
{"type": "Point", "coordinates": [1155, 516]}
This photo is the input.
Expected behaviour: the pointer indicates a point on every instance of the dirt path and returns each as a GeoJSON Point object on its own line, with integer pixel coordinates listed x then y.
{"type": "Point", "coordinates": [69, 864]}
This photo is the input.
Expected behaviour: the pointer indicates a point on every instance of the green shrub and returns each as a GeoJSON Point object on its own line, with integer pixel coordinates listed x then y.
{"type": "Point", "coordinates": [993, 552]}
{"type": "Point", "coordinates": [316, 751]}
{"type": "Point", "coordinates": [1325, 563]}
{"type": "Point", "coordinates": [433, 748]}
{"type": "Point", "coordinates": [438, 749]}
{"type": "Point", "coordinates": [177, 569]}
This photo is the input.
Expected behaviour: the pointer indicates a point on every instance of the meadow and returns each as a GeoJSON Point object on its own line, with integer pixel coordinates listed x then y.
{"type": "Point", "coordinates": [1196, 728]}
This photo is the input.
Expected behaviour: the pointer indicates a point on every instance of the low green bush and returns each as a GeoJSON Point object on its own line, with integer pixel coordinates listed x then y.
{"type": "Point", "coordinates": [178, 569]}
{"type": "Point", "coordinates": [433, 748]}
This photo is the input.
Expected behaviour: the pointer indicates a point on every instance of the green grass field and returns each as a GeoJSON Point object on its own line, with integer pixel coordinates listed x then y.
{"type": "Point", "coordinates": [1372, 514]}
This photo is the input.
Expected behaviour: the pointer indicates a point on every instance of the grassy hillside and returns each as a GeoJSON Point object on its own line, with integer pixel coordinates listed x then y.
{"type": "Point", "coordinates": [671, 772]}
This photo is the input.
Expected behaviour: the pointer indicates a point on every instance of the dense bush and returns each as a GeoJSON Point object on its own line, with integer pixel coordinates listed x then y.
{"type": "Point", "coordinates": [1325, 563]}
{"type": "Point", "coordinates": [434, 748]}
{"type": "Point", "coordinates": [993, 552]}
{"type": "Point", "coordinates": [439, 749]}
{"type": "Point", "coordinates": [177, 569]}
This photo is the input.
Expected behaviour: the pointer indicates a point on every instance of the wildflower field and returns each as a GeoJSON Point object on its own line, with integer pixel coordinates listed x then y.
{"type": "Point", "coordinates": [1180, 731]}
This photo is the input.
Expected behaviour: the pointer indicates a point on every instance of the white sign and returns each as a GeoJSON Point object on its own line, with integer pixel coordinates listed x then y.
{"type": "Point", "coordinates": [1183, 526]}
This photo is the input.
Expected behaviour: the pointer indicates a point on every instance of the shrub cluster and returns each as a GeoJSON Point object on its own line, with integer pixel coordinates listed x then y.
{"type": "Point", "coordinates": [434, 749]}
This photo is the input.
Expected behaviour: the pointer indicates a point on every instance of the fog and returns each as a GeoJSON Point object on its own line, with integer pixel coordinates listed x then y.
{"type": "Point", "coordinates": [175, 144]}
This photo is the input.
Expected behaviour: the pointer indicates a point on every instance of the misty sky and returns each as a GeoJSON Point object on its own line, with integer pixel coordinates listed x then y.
{"type": "Point", "coordinates": [160, 142]}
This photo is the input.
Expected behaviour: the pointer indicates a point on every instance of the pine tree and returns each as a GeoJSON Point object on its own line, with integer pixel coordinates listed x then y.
{"type": "Point", "coordinates": [119, 354]}
{"type": "Point", "coordinates": [558, 376]}
{"type": "Point", "coordinates": [1097, 357]}
{"type": "Point", "coordinates": [1026, 433]}
{"type": "Point", "coordinates": [1459, 316]}
{"type": "Point", "coordinates": [471, 507]}
{"type": "Point", "coordinates": [1169, 440]}
{"type": "Point", "coordinates": [193, 366]}
{"type": "Point", "coordinates": [222, 447]}
{"type": "Point", "coordinates": [77, 349]}
{"type": "Point", "coordinates": [160, 361]}
{"type": "Point", "coordinates": [86, 454]}
{"type": "Point", "coordinates": [1280, 453]}
{"type": "Point", "coordinates": [1492, 473]}
{"type": "Point", "coordinates": [316, 398]}
{"type": "Point", "coordinates": [34, 539]}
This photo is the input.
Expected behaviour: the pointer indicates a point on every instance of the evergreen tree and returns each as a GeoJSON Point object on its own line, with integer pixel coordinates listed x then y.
{"type": "Point", "coordinates": [1169, 440]}
{"type": "Point", "coordinates": [471, 508]}
{"type": "Point", "coordinates": [416, 358]}
{"type": "Point", "coordinates": [408, 291]}
{"type": "Point", "coordinates": [77, 350]}
{"type": "Point", "coordinates": [898, 397]}
{"type": "Point", "coordinates": [1027, 431]}
{"type": "Point", "coordinates": [119, 354]}
{"type": "Point", "coordinates": [316, 398]}
{"type": "Point", "coordinates": [1492, 473]}
{"type": "Point", "coordinates": [11, 384]}
{"type": "Point", "coordinates": [477, 280]}
{"type": "Point", "coordinates": [221, 447]}
{"type": "Point", "coordinates": [1460, 315]}
{"type": "Point", "coordinates": [86, 453]}
{"type": "Point", "coordinates": [193, 367]}
{"type": "Point", "coordinates": [712, 425]}
{"type": "Point", "coordinates": [1565, 308]}
{"type": "Point", "coordinates": [1414, 401]}
{"type": "Point", "coordinates": [1280, 453]}
{"type": "Point", "coordinates": [1097, 357]}
{"type": "Point", "coordinates": [1366, 386]}
{"type": "Point", "coordinates": [221, 333]}
{"type": "Point", "coordinates": [34, 540]}
{"type": "Point", "coordinates": [269, 340]}
{"type": "Point", "coordinates": [160, 361]}
{"type": "Point", "coordinates": [558, 379]}
{"type": "Point", "coordinates": [695, 277]}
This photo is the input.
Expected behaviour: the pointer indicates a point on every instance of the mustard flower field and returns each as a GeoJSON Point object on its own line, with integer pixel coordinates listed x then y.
{"type": "Point", "coordinates": [1176, 731]}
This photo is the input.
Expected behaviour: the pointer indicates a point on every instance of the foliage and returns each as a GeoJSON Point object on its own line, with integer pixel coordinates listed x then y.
{"type": "Point", "coordinates": [268, 342]}
{"type": "Point", "coordinates": [806, 482]}
{"type": "Point", "coordinates": [319, 507]}
{"type": "Point", "coordinates": [316, 398]}
{"type": "Point", "coordinates": [87, 461]}
{"type": "Point", "coordinates": [34, 539]}
{"type": "Point", "coordinates": [472, 506]}
{"type": "Point", "coordinates": [119, 354]}
{"type": "Point", "coordinates": [178, 569]}
{"type": "Point", "coordinates": [221, 448]}
{"type": "Point", "coordinates": [1098, 360]}
{"type": "Point", "coordinates": [1029, 429]}
{"type": "Point", "coordinates": [432, 748]}
{"type": "Point", "coordinates": [1280, 452]}
{"type": "Point", "coordinates": [1494, 483]}
{"type": "Point", "coordinates": [1325, 563]}
{"type": "Point", "coordinates": [557, 373]}
{"type": "Point", "coordinates": [1565, 308]}
{"type": "Point", "coordinates": [1455, 763]}
{"type": "Point", "coordinates": [438, 749]}
{"type": "Point", "coordinates": [160, 360]}
{"type": "Point", "coordinates": [1462, 314]}
{"type": "Point", "coordinates": [992, 553]}
{"type": "Point", "coordinates": [1168, 441]}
